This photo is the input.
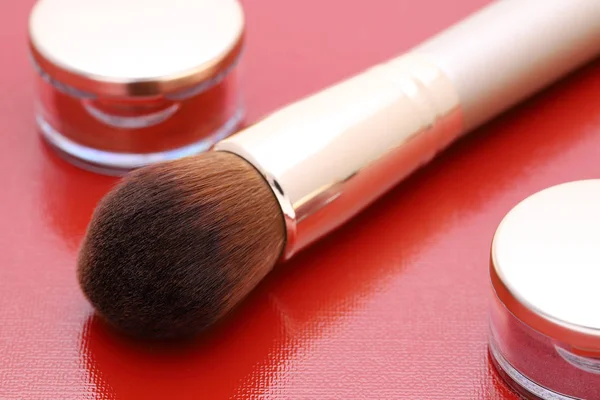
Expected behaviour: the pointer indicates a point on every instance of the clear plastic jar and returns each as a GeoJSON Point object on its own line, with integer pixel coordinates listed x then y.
{"type": "Point", "coordinates": [537, 366]}
{"type": "Point", "coordinates": [139, 88]}
{"type": "Point", "coordinates": [544, 328]}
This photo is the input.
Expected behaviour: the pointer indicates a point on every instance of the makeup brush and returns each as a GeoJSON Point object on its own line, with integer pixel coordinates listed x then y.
{"type": "Point", "coordinates": [175, 246]}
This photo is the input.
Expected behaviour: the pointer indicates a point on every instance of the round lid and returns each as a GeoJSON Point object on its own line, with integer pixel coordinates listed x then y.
{"type": "Point", "coordinates": [135, 47]}
{"type": "Point", "coordinates": [546, 263]}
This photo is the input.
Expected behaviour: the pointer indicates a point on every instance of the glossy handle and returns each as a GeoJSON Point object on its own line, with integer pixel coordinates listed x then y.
{"type": "Point", "coordinates": [509, 50]}
{"type": "Point", "coordinates": [328, 156]}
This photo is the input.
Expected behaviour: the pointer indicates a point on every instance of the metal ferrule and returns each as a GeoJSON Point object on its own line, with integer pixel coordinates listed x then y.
{"type": "Point", "coordinates": [330, 155]}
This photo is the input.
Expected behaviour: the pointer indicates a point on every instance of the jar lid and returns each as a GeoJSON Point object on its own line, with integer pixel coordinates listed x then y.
{"type": "Point", "coordinates": [545, 265]}
{"type": "Point", "coordinates": [135, 47]}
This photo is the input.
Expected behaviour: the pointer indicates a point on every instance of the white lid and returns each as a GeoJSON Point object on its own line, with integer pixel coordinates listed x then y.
{"type": "Point", "coordinates": [546, 261]}
{"type": "Point", "coordinates": [167, 43]}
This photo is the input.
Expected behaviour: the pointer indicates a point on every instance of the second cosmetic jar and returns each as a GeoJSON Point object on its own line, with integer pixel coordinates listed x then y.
{"type": "Point", "coordinates": [545, 274]}
{"type": "Point", "coordinates": [123, 84]}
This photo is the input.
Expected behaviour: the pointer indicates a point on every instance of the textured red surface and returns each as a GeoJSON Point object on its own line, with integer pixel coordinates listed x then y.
{"type": "Point", "coordinates": [391, 306]}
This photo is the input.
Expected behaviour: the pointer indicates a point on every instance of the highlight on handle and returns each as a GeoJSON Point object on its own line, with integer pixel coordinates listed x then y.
{"type": "Point", "coordinates": [347, 145]}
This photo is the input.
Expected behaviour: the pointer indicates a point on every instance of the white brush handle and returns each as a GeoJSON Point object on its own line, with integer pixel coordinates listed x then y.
{"type": "Point", "coordinates": [513, 48]}
{"type": "Point", "coordinates": [328, 156]}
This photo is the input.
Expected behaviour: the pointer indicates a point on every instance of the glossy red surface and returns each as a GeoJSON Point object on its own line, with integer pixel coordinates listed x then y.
{"type": "Point", "coordinates": [393, 305]}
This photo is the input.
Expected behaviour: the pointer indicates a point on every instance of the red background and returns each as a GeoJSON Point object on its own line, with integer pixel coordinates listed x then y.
{"type": "Point", "coordinates": [393, 305]}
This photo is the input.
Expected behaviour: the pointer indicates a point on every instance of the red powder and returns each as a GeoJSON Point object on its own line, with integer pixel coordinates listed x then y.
{"type": "Point", "coordinates": [195, 118]}
{"type": "Point", "coordinates": [534, 355]}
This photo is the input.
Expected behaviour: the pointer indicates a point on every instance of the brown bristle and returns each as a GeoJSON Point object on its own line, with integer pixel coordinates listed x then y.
{"type": "Point", "coordinates": [176, 245]}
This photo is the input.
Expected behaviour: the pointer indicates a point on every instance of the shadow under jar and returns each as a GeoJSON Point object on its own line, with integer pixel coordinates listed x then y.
{"type": "Point", "coordinates": [545, 274]}
{"type": "Point", "coordinates": [123, 84]}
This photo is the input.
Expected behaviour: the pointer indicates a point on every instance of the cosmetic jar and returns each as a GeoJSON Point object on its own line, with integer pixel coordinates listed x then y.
{"type": "Point", "coordinates": [545, 308]}
{"type": "Point", "coordinates": [126, 83]}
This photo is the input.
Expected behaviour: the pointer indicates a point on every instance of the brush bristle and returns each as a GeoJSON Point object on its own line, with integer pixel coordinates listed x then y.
{"type": "Point", "coordinates": [176, 245]}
